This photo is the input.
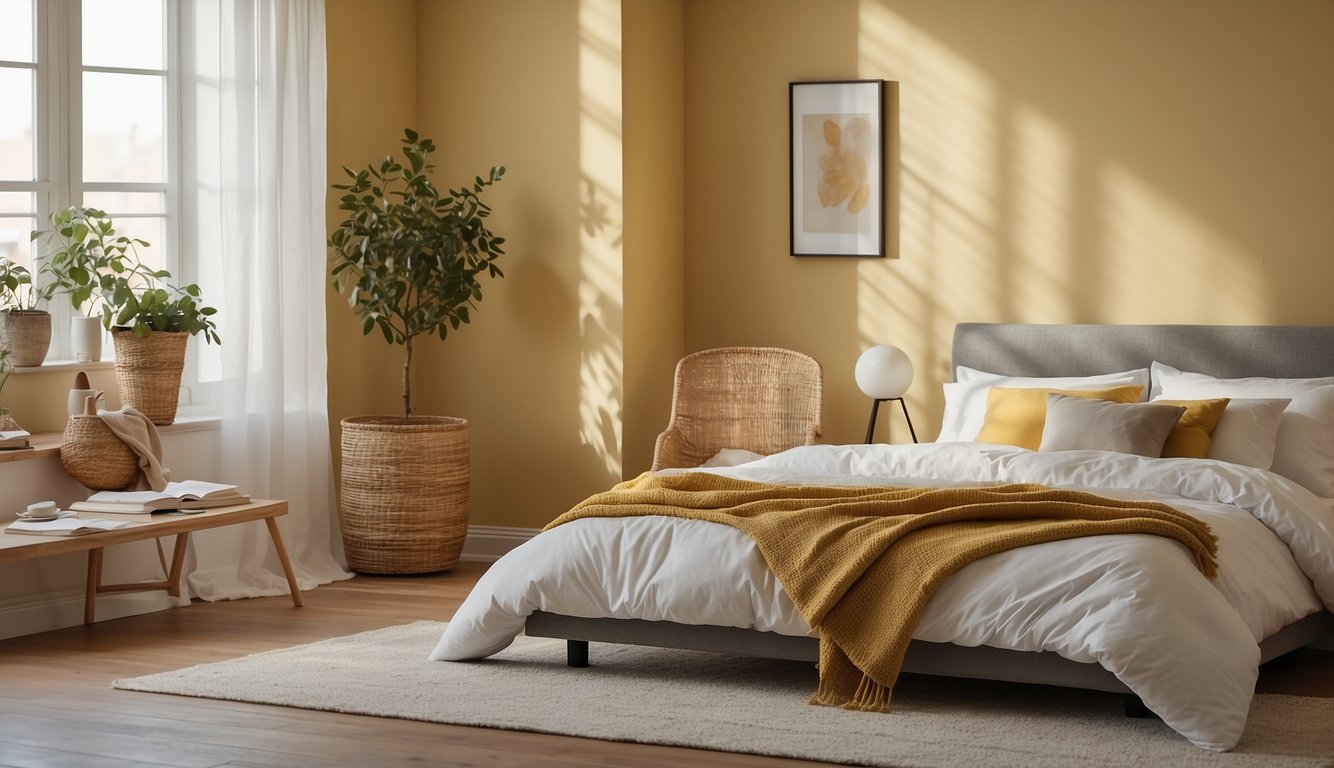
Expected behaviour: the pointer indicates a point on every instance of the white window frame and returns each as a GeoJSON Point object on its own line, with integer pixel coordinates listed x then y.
{"type": "Point", "coordinates": [58, 136]}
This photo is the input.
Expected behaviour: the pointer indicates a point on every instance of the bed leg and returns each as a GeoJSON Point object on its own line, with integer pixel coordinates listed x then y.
{"type": "Point", "coordinates": [1135, 707]}
{"type": "Point", "coordinates": [576, 653]}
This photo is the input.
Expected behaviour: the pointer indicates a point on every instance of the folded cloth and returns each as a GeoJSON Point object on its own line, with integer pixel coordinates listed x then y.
{"type": "Point", "coordinates": [141, 435]}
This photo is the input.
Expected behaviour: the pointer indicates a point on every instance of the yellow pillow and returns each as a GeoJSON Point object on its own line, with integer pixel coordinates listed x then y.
{"type": "Point", "coordinates": [1190, 437]}
{"type": "Point", "coordinates": [1017, 416]}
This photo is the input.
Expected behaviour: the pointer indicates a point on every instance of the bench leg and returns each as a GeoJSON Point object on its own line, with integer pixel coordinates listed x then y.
{"type": "Point", "coordinates": [277, 537]}
{"type": "Point", "coordinates": [177, 561]}
{"type": "Point", "coordinates": [94, 581]}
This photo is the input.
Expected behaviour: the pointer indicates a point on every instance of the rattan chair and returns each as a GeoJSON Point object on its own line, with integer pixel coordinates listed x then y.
{"type": "Point", "coordinates": [761, 399]}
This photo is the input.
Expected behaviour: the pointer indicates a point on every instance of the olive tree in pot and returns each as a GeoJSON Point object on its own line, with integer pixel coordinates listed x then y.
{"type": "Point", "coordinates": [410, 260]}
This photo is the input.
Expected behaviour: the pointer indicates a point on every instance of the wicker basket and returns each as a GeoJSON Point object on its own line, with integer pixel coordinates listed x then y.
{"type": "Point", "coordinates": [403, 506]}
{"type": "Point", "coordinates": [93, 455]}
{"type": "Point", "coordinates": [148, 372]}
{"type": "Point", "coordinates": [26, 333]}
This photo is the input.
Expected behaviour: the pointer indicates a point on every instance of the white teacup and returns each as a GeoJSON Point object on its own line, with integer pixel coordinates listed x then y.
{"type": "Point", "coordinates": [42, 509]}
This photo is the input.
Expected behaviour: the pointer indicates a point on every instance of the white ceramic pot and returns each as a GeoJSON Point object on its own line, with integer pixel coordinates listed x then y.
{"type": "Point", "coordinates": [86, 338]}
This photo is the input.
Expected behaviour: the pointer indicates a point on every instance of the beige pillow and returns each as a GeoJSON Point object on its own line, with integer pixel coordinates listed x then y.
{"type": "Point", "coordinates": [1078, 424]}
{"type": "Point", "coordinates": [1015, 415]}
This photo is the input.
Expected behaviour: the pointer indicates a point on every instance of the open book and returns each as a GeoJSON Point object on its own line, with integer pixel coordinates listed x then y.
{"type": "Point", "coordinates": [66, 526]}
{"type": "Point", "coordinates": [187, 494]}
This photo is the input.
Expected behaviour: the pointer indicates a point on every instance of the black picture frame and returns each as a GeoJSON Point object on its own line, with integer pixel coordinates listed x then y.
{"type": "Point", "coordinates": [836, 170]}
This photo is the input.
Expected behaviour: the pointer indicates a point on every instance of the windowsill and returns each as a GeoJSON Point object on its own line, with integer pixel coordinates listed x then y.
{"type": "Point", "coordinates": [65, 365]}
{"type": "Point", "coordinates": [48, 443]}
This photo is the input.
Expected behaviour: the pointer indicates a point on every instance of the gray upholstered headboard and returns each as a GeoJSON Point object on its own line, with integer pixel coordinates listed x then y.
{"type": "Point", "coordinates": [1226, 351]}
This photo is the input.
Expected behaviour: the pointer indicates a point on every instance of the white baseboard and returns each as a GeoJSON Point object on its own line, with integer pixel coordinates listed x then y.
{"type": "Point", "coordinates": [49, 610]}
{"type": "Point", "coordinates": [486, 543]}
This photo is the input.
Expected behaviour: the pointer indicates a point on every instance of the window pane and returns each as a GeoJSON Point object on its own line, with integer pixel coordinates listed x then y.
{"type": "Point", "coordinates": [16, 202]}
{"type": "Point", "coordinates": [122, 127]}
{"type": "Point", "coordinates": [14, 238]}
{"type": "Point", "coordinates": [16, 151]}
{"type": "Point", "coordinates": [17, 32]}
{"type": "Point", "coordinates": [117, 204]}
{"type": "Point", "coordinates": [150, 230]}
{"type": "Point", "coordinates": [122, 33]}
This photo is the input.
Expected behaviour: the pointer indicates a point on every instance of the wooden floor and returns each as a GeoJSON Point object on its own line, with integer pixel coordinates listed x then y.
{"type": "Point", "coordinates": [57, 708]}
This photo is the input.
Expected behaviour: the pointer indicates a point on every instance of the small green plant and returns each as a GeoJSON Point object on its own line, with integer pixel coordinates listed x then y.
{"type": "Point", "coordinates": [155, 307]}
{"type": "Point", "coordinates": [5, 367]}
{"type": "Point", "coordinates": [96, 267]}
{"type": "Point", "coordinates": [408, 257]}
{"type": "Point", "coordinates": [83, 248]}
{"type": "Point", "coordinates": [18, 292]}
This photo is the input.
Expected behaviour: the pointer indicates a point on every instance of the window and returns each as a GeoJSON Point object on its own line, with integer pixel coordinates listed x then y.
{"type": "Point", "coordinates": [19, 188]}
{"type": "Point", "coordinates": [89, 119]}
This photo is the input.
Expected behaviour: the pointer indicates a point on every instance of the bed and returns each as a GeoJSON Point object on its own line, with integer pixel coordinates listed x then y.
{"type": "Point", "coordinates": [1125, 614]}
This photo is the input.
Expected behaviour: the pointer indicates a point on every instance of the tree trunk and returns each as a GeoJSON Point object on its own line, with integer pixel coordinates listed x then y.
{"type": "Point", "coordinates": [407, 382]}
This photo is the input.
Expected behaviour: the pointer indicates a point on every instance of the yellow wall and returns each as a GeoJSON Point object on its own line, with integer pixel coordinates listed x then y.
{"type": "Point", "coordinates": [371, 99]}
{"type": "Point", "coordinates": [538, 373]}
{"type": "Point", "coordinates": [654, 69]}
{"type": "Point", "coordinates": [1100, 161]}
{"type": "Point", "coordinates": [1095, 161]}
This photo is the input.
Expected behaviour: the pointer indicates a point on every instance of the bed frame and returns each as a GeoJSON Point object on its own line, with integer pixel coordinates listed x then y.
{"type": "Point", "coordinates": [1283, 351]}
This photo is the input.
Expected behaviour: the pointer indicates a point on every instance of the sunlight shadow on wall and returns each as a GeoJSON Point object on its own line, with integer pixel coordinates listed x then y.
{"type": "Point", "coordinates": [1015, 207]}
{"type": "Point", "coordinates": [601, 313]}
{"type": "Point", "coordinates": [948, 187]}
{"type": "Point", "coordinates": [1163, 253]}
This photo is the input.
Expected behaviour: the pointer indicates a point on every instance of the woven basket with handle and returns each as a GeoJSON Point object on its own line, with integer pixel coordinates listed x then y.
{"type": "Point", "coordinates": [403, 502]}
{"type": "Point", "coordinates": [148, 372]}
{"type": "Point", "coordinates": [93, 455]}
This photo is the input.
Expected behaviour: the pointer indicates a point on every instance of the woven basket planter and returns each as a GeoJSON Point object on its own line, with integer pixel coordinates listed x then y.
{"type": "Point", "coordinates": [26, 333]}
{"type": "Point", "coordinates": [93, 455]}
{"type": "Point", "coordinates": [148, 372]}
{"type": "Point", "coordinates": [403, 501]}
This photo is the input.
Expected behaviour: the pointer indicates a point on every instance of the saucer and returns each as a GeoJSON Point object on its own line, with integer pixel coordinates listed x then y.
{"type": "Point", "coordinates": [46, 518]}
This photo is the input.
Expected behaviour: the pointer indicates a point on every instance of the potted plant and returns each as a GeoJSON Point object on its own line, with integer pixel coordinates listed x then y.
{"type": "Point", "coordinates": [410, 259]}
{"type": "Point", "coordinates": [150, 322]}
{"type": "Point", "coordinates": [149, 318]}
{"type": "Point", "coordinates": [25, 328]}
{"type": "Point", "coordinates": [83, 248]}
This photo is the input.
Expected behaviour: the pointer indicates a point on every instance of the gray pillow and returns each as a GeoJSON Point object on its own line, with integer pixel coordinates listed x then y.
{"type": "Point", "coordinates": [1077, 424]}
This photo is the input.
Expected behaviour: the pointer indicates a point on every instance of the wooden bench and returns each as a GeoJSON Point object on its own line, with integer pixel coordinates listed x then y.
{"type": "Point", "coordinates": [15, 547]}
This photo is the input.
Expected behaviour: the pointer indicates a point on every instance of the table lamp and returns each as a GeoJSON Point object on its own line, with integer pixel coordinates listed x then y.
{"type": "Point", "coordinates": [883, 373]}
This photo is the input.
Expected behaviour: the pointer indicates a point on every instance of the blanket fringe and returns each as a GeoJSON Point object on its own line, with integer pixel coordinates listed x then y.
{"type": "Point", "coordinates": [869, 697]}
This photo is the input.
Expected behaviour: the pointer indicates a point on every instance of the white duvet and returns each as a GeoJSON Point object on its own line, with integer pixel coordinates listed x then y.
{"type": "Point", "coordinates": [1135, 604]}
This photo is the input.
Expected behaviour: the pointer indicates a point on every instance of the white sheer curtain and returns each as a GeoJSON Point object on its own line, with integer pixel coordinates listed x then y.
{"type": "Point", "coordinates": [253, 128]}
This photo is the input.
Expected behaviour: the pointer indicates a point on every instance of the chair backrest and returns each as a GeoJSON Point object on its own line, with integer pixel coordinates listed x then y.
{"type": "Point", "coordinates": [761, 399]}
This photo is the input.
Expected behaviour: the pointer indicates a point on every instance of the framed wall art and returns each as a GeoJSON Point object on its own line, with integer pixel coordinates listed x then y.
{"type": "Point", "coordinates": [837, 167]}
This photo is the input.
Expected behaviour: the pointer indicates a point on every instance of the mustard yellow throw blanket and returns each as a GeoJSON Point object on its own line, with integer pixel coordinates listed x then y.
{"type": "Point", "coordinates": [860, 563]}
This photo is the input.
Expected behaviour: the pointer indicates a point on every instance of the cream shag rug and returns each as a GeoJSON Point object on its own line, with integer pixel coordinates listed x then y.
{"type": "Point", "coordinates": [708, 701]}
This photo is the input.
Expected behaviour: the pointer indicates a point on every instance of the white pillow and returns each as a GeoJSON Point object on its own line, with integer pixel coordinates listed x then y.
{"type": "Point", "coordinates": [1248, 432]}
{"type": "Point", "coordinates": [1304, 449]}
{"type": "Point", "coordinates": [1138, 376]}
{"type": "Point", "coordinates": [966, 399]}
{"type": "Point", "coordinates": [731, 457]}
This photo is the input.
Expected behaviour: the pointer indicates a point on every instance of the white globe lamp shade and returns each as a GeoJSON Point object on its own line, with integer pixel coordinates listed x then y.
{"type": "Point", "coordinates": [884, 372]}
